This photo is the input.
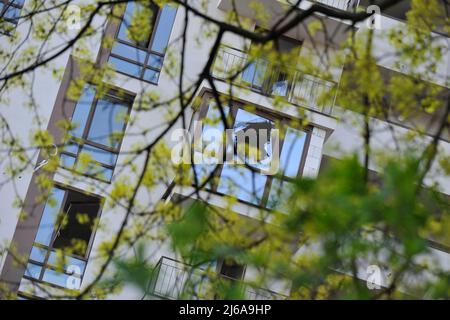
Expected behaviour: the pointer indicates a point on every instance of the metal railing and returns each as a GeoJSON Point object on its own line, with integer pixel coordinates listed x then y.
{"type": "Point", "coordinates": [172, 277]}
{"type": "Point", "coordinates": [262, 294]}
{"type": "Point", "coordinates": [269, 79]}
{"type": "Point", "coordinates": [345, 5]}
{"type": "Point", "coordinates": [175, 279]}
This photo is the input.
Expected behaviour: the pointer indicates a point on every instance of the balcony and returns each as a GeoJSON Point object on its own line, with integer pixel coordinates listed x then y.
{"type": "Point", "coordinates": [177, 280]}
{"type": "Point", "coordinates": [267, 78]}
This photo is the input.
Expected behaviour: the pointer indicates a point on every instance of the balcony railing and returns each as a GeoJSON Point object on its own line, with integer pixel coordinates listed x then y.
{"type": "Point", "coordinates": [172, 277]}
{"type": "Point", "coordinates": [175, 280]}
{"type": "Point", "coordinates": [259, 75]}
{"type": "Point", "coordinates": [346, 5]}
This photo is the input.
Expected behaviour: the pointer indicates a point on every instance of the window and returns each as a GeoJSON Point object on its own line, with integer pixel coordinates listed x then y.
{"type": "Point", "coordinates": [271, 78]}
{"type": "Point", "coordinates": [231, 270]}
{"type": "Point", "coordinates": [10, 14]}
{"type": "Point", "coordinates": [61, 245]}
{"type": "Point", "coordinates": [98, 127]}
{"type": "Point", "coordinates": [143, 59]}
{"type": "Point", "coordinates": [250, 182]}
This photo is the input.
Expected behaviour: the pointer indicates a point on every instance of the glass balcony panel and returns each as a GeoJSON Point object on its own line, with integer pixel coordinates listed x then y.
{"type": "Point", "coordinates": [301, 89]}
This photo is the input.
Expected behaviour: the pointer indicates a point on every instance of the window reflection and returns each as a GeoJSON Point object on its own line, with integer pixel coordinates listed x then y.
{"type": "Point", "coordinates": [255, 132]}
{"type": "Point", "coordinates": [109, 118]}
{"type": "Point", "coordinates": [248, 180]}
{"type": "Point", "coordinates": [99, 155]}
{"type": "Point", "coordinates": [48, 220]}
{"type": "Point", "coordinates": [293, 145]}
{"type": "Point", "coordinates": [10, 12]}
{"type": "Point", "coordinates": [279, 194]}
{"type": "Point", "coordinates": [33, 271]}
{"type": "Point", "coordinates": [272, 78]}
{"type": "Point", "coordinates": [81, 113]}
{"type": "Point", "coordinates": [162, 34]}
{"type": "Point", "coordinates": [128, 68]}
{"type": "Point", "coordinates": [54, 260]}
{"type": "Point", "coordinates": [243, 183]}
{"type": "Point", "coordinates": [205, 167]}
{"type": "Point", "coordinates": [56, 278]}
{"type": "Point", "coordinates": [254, 75]}
{"type": "Point", "coordinates": [99, 124]}
{"type": "Point", "coordinates": [143, 59]}
{"type": "Point", "coordinates": [38, 254]}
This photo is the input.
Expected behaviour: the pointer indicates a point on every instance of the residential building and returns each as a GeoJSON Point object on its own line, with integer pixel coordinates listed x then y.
{"type": "Point", "coordinates": [140, 70]}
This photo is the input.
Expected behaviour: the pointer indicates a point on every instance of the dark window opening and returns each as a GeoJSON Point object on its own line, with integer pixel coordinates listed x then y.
{"type": "Point", "coordinates": [74, 229]}
{"type": "Point", "coordinates": [230, 269]}
{"type": "Point", "coordinates": [65, 234]}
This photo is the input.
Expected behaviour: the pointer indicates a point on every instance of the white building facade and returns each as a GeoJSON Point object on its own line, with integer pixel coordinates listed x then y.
{"type": "Point", "coordinates": [143, 70]}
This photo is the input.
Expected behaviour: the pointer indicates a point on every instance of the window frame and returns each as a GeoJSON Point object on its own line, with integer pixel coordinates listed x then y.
{"type": "Point", "coordinates": [221, 263]}
{"type": "Point", "coordinates": [148, 51]}
{"type": "Point", "coordinates": [283, 121]}
{"type": "Point", "coordinates": [45, 265]}
{"type": "Point", "coordinates": [6, 5]}
{"type": "Point", "coordinates": [114, 95]}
